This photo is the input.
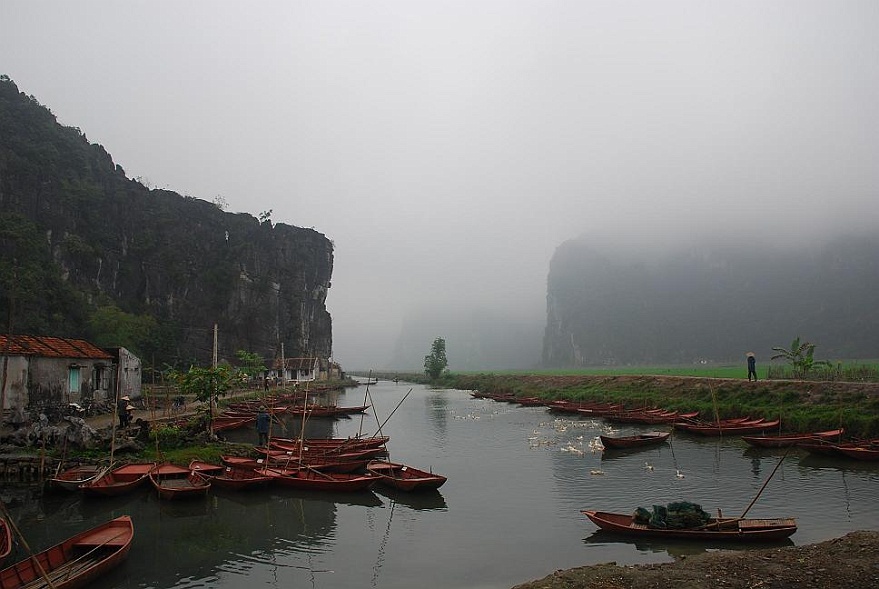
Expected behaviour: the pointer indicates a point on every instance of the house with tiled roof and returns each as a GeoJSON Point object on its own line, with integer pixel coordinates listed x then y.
{"type": "Point", "coordinates": [40, 373]}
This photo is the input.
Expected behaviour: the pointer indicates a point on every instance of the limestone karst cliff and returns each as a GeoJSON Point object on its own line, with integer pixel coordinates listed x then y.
{"type": "Point", "coordinates": [88, 252]}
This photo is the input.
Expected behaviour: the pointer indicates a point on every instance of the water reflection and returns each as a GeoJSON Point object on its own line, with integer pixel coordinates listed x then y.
{"type": "Point", "coordinates": [422, 501]}
{"type": "Point", "coordinates": [677, 548]}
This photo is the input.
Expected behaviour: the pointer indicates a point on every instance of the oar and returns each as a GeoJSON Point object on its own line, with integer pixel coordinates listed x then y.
{"type": "Point", "coordinates": [718, 523]}
{"type": "Point", "coordinates": [391, 415]}
{"type": "Point", "coordinates": [26, 546]}
{"type": "Point", "coordinates": [753, 501]}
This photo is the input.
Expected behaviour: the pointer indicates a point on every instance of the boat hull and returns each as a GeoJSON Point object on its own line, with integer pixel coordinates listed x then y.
{"type": "Point", "coordinates": [736, 530]}
{"type": "Point", "coordinates": [405, 478]}
{"type": "Point", "coordinates": [77, 561]}
{"type": "Point", "coordinates": [636, 441]}
{"type": "Point", "coordinates": [118, 481]}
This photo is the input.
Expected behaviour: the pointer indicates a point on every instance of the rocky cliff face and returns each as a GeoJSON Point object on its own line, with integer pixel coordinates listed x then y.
{"type": "Point", "coordinates": [75, 226]}
{"type": "Point", "coordinates": [710, 303]}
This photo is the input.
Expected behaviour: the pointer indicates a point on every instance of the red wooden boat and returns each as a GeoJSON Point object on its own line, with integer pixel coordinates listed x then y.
{"type": "Point", "coordinates": [76, 562]}
{"type": "Point", "coordinates": [290, 461]}
{"type": "Point", "coordinates": [281, 451]}
{"type": "Point", "coordinates": [733, 530]}
{"type": "Point", "coordinates": [73, 478]}
{"type": "Point", "coordinates": [225, 423]}
{"type": "Point", "coordinates": [649, 417]}
{"type": "Point", "coordinates": [5, 539]}
{"type": "Point", "coordinates": [122, 479]}
{"type": "Point", "coordinates": [744, 427]}
{"type": "Point", "coordinates": [634, 441]}
{"type": "Point", "coordinates": [331, 444]}
{"type": "Point", "coordinates": [582, 407]}
{"type": "Point", "coordinates": [859, 452]}
{"type": "Point", "coordinates": [403, 477]}
{"type": "Point", "coordinates": [785, 440]}
{"type": "Point", "coordinates": [175, 482]}
{"type": "Point", "coordinates": [312, 480]}
{"type": "Point", "coordinates": [230, 477]}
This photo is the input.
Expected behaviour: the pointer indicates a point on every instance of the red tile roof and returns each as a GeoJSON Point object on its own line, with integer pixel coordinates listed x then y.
{"type": "Point", "coordinates": [50, 347]}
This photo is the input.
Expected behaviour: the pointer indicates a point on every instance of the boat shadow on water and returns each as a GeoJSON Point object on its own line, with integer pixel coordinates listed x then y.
{"type": "Point", "coordinates": [431, 500]}
{"type": "Point", "coordinates": [678, 548]}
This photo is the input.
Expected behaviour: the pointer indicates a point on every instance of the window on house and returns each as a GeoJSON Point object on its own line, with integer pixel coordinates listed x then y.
{"type": "Point", "coordinates": [73, 379]}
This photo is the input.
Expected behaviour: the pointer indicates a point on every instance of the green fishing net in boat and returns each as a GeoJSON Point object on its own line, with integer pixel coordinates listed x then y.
{"type": "Point", "coordinates": [677, 516]}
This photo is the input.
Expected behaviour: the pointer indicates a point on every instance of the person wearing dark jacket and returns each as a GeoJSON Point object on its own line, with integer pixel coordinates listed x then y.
{"type": "Point", "coordinates": [122, 411]}
{"type": "Point", "coordinates": [262, 426]}
{"type": "Point", "coordinates": [752, 367]}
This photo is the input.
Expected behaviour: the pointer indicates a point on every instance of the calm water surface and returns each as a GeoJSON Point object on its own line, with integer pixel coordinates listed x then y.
{"type": "Point", "coordinates": [509, 513]}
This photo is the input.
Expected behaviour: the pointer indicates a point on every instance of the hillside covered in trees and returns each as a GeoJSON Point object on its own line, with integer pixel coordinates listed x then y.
{"type": "Point", "coordinates": [710, 302]}
{"type": "Point", "coordinates": [87, 252]}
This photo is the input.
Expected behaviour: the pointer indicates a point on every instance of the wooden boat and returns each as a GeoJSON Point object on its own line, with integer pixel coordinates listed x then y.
{"type": "Point", "coordinates": [5, 539]}
{"type": "Point", "coordinates": [634, 441]}
{"type": "Point", "coordinates": [122, 479]}
{"type": "Point", "coordinates": [282, 452]}
{"type": "Point", "coordinates": [860, 452]}
{"type": "Point", "coordinates": [744, 427]}
{"type": "Point", "coordinates": [336, 444]}
{"type": "Point", "coordinates": [785, 440]}
{"type": "Point", "coordinates": [311, 480]}
{"type": "Point", "coordinates": [73, 478]}
{"type": "Point", "coordinates": [175, 482]}
{"type": "Point", "coordinates": [225, 423]}
{"type": "Point", "coordinates": [649, 416]}
{"type": "Point", "coordinates": [403, 477]}
{"type": "Point", "coordinates": [582, 407]}
{"type": "Point", "coordinates": [76, 562]}
{"type": "Point", "coordinates": [733, 530]}
{"type": "Point", "coordinates": [229, 477]}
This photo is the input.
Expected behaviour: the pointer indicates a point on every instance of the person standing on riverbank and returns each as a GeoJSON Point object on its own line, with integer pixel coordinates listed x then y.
{"type": "Point", "coordinates": [752, 366]}
{"type": "Point", "coordinates": [262, 425]}
{"type": "Point", "coordinates": [122, 411]}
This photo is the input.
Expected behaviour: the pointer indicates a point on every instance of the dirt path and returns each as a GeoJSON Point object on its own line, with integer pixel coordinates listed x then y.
{"type": "Point", "coordinates": [850, 562]}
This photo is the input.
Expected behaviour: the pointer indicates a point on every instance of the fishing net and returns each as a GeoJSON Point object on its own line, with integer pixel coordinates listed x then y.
{"type": "Point", "coordinates": [677, 516]}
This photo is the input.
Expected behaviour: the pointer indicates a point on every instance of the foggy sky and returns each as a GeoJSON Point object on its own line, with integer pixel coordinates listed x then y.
{"type": "Point", "coordinates": [447, 148]}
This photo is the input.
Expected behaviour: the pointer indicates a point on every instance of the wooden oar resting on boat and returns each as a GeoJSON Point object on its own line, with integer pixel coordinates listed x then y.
{"type": "Point", "coordinates": [76, 562]}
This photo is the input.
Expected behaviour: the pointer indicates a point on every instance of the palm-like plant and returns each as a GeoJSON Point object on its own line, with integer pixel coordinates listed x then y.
{"type": "Point", "coordinates": [801, 357]}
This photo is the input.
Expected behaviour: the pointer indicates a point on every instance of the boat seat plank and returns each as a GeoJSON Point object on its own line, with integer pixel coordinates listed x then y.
{"type": "Point", "coordinates": [765, 523]}
{"type": "Point", "coordinates": [105, 537]}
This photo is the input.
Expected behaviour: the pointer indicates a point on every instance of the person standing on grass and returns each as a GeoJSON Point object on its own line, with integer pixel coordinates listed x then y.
{"type": "Point", "coordinates": [752, 367]}
{"type": "Point", "coordinates": [262, 425]}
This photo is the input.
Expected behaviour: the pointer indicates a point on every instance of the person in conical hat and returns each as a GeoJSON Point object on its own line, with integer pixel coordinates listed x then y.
{"type": "Point", "coordinates": [752, 366]}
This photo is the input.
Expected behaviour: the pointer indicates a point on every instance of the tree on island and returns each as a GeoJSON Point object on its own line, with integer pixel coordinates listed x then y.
{"type": "Point", "coordinates": [436, 362]}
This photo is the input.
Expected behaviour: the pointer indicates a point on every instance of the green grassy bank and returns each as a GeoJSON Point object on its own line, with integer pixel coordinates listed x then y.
{"type": "Point", "coordinates": [801, 405]}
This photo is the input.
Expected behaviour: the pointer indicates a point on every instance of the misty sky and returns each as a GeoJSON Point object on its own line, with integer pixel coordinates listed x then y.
{"type": "Point", "coordinates": [447, 148]}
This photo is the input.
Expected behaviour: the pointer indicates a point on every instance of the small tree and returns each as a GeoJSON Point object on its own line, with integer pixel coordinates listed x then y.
{"type": "Point", "coordinates": [251, 365]}
{"type": "Point", "coordinates": [205, 383]}
{"type": "Point", "coordinates": [436, 362]}
{"type": "Point", "coordinates": [800, 356]}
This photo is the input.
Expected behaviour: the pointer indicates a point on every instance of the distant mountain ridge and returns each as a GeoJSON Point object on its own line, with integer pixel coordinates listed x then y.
{"type": "Point", "coordinates": [83, 246]}
{"type": "Point", "coordinates": [710, 303]}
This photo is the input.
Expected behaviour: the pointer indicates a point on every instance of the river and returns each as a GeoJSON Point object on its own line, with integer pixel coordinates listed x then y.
{"type": "Point", "coordinates": [509, 513]}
